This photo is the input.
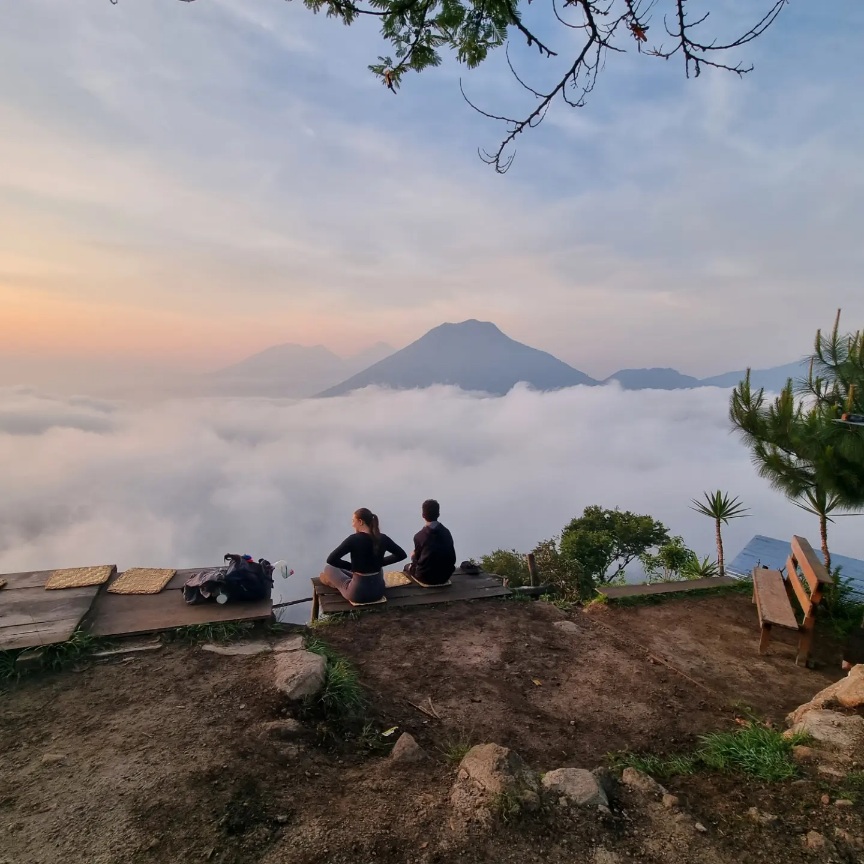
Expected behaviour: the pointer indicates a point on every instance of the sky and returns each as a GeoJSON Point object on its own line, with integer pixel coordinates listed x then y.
{"type": "Point", "coordinates": [100, 482]}
{"type": "Point", "coordinates": [183, 184]}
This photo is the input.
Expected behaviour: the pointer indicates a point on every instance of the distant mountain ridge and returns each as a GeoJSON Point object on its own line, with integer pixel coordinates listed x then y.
{"type": "Point", "coordinates": [471, 355]}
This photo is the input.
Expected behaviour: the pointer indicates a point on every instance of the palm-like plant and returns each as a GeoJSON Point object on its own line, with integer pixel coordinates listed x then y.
{"type": "Point", "coordinates": [721, 508]}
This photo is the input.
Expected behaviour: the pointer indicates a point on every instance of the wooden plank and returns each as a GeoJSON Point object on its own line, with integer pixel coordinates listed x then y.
{"type": "Point", "coordinates": [813, 569]}
{"type": "Point", "coordinates": [128, 614]}
{"type": "Point", "coordinates": [772, 601]}
{"type": "Point", "coordinates": [484, 580]}
{"type": "Point", "coordinates": [420, 597]}
{"type": "Point", "coordinates": [30, 579]}
{"type": "Point", "coordinates": [37, 635]}
{"type": "Point", "coordinates": [613, 592]}
{"type": "Point", "coordinates": [797, 586]}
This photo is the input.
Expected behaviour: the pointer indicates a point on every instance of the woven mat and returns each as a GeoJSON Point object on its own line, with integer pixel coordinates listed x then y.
{"type": "Point", "coordinates": [141, 580]}
{"type": "Point", "coordinates": [370, 603]}
{"type": "Point", "coordinates": [79, 577]}
{"type": "Point", "coordinates": [394, 578]}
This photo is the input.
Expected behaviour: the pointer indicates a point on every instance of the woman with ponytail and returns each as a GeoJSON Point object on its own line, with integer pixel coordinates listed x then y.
{"type": "Point", "coordinates": [360, 579]}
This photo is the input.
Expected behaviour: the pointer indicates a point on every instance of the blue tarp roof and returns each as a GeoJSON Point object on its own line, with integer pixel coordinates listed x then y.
{"type": "Point", "coordinates": [773, 553]}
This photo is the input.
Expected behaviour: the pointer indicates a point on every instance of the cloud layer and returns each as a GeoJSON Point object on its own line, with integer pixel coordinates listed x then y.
{"type": "Point", "coordinates": [179, 484]}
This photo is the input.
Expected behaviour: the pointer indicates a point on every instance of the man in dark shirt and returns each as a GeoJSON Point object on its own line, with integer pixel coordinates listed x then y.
{"type": "Point", "coordinates": [434, 557]}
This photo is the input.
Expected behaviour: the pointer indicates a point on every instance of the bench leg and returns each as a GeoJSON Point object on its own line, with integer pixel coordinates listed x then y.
{"type": "Point", "coordinates": [805, 642]}
{"type": "Point", "coordinates": [765, 638]}
{"type": "Point", "coordinates": [315, 607]}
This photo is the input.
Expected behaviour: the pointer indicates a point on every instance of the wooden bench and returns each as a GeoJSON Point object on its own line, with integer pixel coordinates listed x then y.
{"type": "Point", "coordinates": [772, 594]}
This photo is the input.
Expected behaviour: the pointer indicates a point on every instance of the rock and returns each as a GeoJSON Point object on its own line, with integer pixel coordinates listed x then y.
{"type": "Point", "coordinates": [244, 649]}
{"type": "Point", "coordinates": [850, 690]}
{"type": "Point", "coordinates": [299, 674]}
{"type": "Point", "coordinates": [850, 840]}
{"type": "Point", "coordinates": [53, 758]}
{"type": "Point", "coordinates": [803, 755]}
{"type": "Point", "coordinates": [843, 732]}
{"type": "Point", "coordinates": [575, 786]}
{"type": "Point", "coordinates": [281, 819]}
{"type": "Point", "coordinates": [604, 856]}
{"type": "Point", "coordinates": [814, 841]}
{"type": "Point", "coordinates": [844, 802]}
{"type": "Point", "coordinates": [641, 782]}
{"type": "Point", "coordinates": [826, 800]}
{"type": "Point", "coordinates": [700, 827]}
{"type": "Point", "coordinates": [566, 626]}
{"type": "Point", "coordinates": [831, 772]}
{"type": "Point", "coordinates": [487, 774]}
{"type": "Point", "coordinates": [406, 749]}
{"type": "Point", "coordinates": [29, 660]}
{"type": "Point", "coordinates": [760, 818]}
{"type": "Point", "coordinates": [282, 730]}
{"type": "Point", "coordinates": [290, 643]}
{"type": "Point", "coordinates": [670, 802]}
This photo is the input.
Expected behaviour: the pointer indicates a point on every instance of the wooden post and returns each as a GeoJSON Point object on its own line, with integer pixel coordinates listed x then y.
{"type": "Point", "coordinates": [315, 602]}
{"type": "Point", "coordinates": [533, 577]}
{"type": "Point", "coordinates": [765, 638]}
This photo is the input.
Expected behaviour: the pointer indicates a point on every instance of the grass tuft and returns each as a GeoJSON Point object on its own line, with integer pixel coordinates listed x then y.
{"type": "Point", "coordinates": [8, 671]}
{"type": "Point", "coordinates": [508, 806]}
{"type": "Point", "coordinates": [755, 750]}
{"type": "Point", "coordinates": [195, 634]}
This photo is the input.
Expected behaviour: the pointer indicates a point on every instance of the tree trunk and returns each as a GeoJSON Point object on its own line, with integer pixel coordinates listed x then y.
{"type": "Point", "coordinates": [823, 533]}
{"type": "Point", "coordinates": [720, 566]}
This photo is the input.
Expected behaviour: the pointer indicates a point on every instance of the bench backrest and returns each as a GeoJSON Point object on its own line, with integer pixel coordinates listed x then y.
{"type": "Point", "coordinates": [804, 560]}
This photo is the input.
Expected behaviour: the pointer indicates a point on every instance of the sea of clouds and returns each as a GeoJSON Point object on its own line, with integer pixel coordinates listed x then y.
{"type": "Point", "coordinates": [179, 483]}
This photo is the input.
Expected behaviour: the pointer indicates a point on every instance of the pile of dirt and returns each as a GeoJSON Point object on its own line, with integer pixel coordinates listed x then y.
{"type": "Point", "coordinates": [167, 757]}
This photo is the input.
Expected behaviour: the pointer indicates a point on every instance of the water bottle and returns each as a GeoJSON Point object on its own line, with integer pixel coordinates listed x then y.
{"type": "Point", "coordinates": [282, 568]}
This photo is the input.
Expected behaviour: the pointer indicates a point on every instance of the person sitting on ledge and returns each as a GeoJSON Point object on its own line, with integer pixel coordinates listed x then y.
{"type": "Point", "coordinates": [361, 579]}
{"type": "Point", "coordinates": [434, 557]}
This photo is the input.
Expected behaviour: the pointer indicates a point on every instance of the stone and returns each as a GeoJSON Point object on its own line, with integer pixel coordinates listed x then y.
{"type": "Point", "coordinates": [850, 840]}
{"type": "Point", "coordinates": [486, 773]}
{"type": "Point", "coordinates": [850, 690]}
{"type": "Point", "coordinates": [844, 802]}
{"type": "Point", "coordinates": [575, 786]}
{"type": "Point", "coordinates": [566, 626]}
{"type": "Point", "coordinates": [803, 755]}
{"type": "Point", "coordinates": [814, 841]}
{"type": "Point", "coordinates": [281, 819]}
{"type": "Point", "coordinates": [299, 674]}
{"type": "Point", "coordinates": [604, 856]}
{"type": "Point", "coordinates": [641, 782]}
{"type": "Point", "coordinates": [700, 827]}
{"type": "Point", "coordinates": [290, 643]}
{"type": "Point", "coordinates": [53, 758]}
{"type": "Point", "coordinates": [754, 814]}
{"type": "Point", "coordinates": [242, 649]}
{"type": "Point", "coordinates": [282, 730]}
{"type": "Point", "coordinates": [670, 802]}
{"type": "Point", "coordinates": [843, 732]}
{"type": "Point", "coordinates": [29, 660]}
{"type": "Point", "coordinates": [826, 800]}
{"type": "Point", "coordinates": [406, 749]}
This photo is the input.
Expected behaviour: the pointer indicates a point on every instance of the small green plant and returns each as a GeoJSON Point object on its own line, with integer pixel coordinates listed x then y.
{"type": "Point", "coordinates": [74, 650]}
{"type": "Point", "coordinates": [8, 670]}
{"type": "Point", "coordinates": [755, 750]}
{"type": "Point", "coordinates": [229, 631]}
{"type": "Point", "coordinates": [455, 749]}
{"type": "Point", "coordinates": [840, 611]}
{"type": "Point", "coordinates": [508, 806]}
{"type": "Point", "coordinates": [852, 787]}
{"type": "Point", "coordinates": [697, 568]}
{"type": "Point", "coordinates": [342, 695]}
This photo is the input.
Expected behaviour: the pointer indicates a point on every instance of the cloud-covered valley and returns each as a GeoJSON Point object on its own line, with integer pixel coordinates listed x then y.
{"type": "Point", "coordinates": [181, 483]}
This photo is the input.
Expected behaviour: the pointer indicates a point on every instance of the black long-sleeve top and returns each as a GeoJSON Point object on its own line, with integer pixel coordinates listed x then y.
{"type": "Point", "coordinates": [365, 556]}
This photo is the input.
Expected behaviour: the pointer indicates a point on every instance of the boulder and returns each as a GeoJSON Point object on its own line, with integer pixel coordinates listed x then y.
{"type": "Point", "coordinates": [406, 749]}
{"type": "Point", "coordinates": [641, 782]}
{"type": "Point", "coordinates": [842, 732]}
{"type": "Point", "coordinates": [299, 674]}
{"type": "Point", "coordinates": [575, 786]}
{"type": "Point", "coordinates": [488, 775]}
{"type": "Point", "coordinates": [848, 692]}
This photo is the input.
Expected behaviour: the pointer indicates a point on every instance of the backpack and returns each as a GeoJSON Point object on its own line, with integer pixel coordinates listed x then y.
{"type": "Point", "coordinates": [247, 579]}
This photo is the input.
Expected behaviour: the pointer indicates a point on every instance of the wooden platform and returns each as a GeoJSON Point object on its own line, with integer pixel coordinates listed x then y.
{"type": "Point", "coordinates": [131, 614]}
{"type": "Point", "coordinates": [462, 587]}
{"type": "Point", "coordinates": [30, 616]}
{"type": "Point", "coordinates": [616, 591]}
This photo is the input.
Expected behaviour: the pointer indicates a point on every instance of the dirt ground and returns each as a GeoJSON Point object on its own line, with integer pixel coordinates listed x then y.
{"type": "Point", "coordinates": [161, 758]}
